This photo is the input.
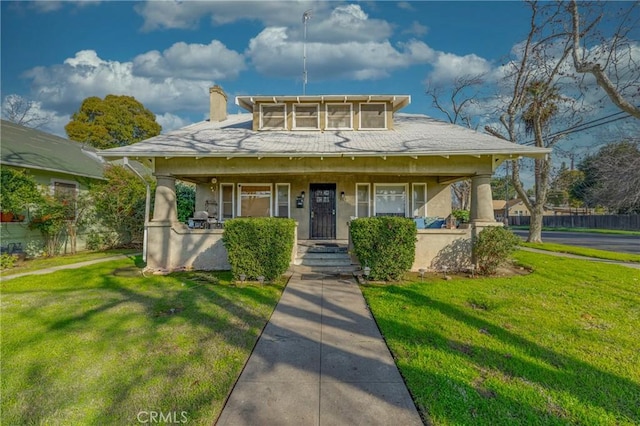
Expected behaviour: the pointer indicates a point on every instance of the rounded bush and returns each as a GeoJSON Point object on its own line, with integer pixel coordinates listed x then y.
{"type": "Point", "coordinates": [493, 247]}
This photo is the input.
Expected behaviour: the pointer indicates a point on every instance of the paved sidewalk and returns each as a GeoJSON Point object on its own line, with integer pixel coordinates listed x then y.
{"type": "Point", "coordinates": [320, 361]}
{"type": "Point", "coordinates": [575, 256]}
{"type": "Point", "coordinates": [70, 266]}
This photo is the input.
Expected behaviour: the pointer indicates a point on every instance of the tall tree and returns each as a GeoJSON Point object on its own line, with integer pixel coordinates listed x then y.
{"type": "Point", "coordinates": [455, 102]}
{"type": "Point", "coordinates": [534, 76]}
{"type": "Point", "coordinates": [611, 178]}
{"type": "Point", "coordinates": [111, 122]}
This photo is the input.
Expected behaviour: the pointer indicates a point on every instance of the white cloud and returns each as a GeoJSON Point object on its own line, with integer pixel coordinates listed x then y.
{"type": "Point", "coordinates": [191, 61]}
{"type": "Point", "coordinates": [448, 66]}
{"type": "Point", "coordinates": [273, 54]}
{"type": "Point", "coordinates": [171, 122]}
{"type": "Point", "coordinates": [416, 29]}
{"type": "Point", "coordinates": [63, 86]}
{"type": "Point", "coordinates": [187, 15]}
{"type": "Point", "coordinates": [54, 5]}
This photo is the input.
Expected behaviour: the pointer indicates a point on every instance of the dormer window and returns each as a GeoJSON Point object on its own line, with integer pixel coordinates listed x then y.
{"type": "Point", "coordinates": [273, 116]}
{"type": "Point", "coordinates": [339, 117]}
{"type": "Point", "coordinates": [306, 117]}
{"type": "Point", "coordinates": [373, 116]}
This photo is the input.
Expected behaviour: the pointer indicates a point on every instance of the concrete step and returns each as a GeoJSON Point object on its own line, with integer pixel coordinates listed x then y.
{"type": "Point", "coordinates": [321, 249]}
{"type": "Point", "coordinates": [326, 262]}
{"type": "Point", "coordinates": [323, 255]}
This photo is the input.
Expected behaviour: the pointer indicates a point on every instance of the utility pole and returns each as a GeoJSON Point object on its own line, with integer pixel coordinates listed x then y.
{"type": "Point", "coordinates": [305, 17]}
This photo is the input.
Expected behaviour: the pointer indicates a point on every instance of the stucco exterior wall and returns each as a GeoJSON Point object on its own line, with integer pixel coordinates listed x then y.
{"type": "Point", "coordinates": [436, 248]}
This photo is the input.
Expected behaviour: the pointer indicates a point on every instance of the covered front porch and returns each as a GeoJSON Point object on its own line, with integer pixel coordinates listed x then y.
{"type": "Point", "coordinates": [322, 205]}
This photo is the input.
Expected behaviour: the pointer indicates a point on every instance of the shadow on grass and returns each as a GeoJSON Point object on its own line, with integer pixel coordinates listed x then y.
{"type": "Point", "coordinates": [618, 396]}
{"type": "Point", "coordinates": [133, 312]}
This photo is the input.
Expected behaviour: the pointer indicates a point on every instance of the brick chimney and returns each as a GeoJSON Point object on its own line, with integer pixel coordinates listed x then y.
{"type": "Point", "coordinates": [218, 104]}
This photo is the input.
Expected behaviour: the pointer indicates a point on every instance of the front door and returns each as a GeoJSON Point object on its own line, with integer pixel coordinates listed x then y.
{"type": "Point", "coordinates": [323, 211]}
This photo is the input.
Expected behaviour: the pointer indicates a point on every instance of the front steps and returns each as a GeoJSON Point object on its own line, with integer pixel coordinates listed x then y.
{"type": "Point", "coordinates": [330, 257]}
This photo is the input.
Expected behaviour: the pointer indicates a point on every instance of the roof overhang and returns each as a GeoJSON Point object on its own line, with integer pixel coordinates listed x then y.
{"type": "Point", "coordinates": [248, 102]}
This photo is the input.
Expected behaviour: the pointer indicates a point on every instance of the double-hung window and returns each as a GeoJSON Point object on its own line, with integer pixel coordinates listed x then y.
{"type": "Point", "coordinates": [273, 116]}
{"type": "Point", "coordinates": [282, 200]}
{"type": "Point", "coordinates": [363, 204]}
{"type": "Point", "coordinates": [419, 200]}
{"type": "Point", "coordinates": [306, 117]}
{"type": "Point", "coordinates": [226, 201]}
{"type": "Point", "coordinates": [390, 199]}
{"type": "Point", "coordinates": [254, 200]}
{"type": "Point", "coordinates": [339, 117]}
{"type": "Point", "coordinates": [66, 193]}
{"type": "Point", "coordinates": [373, 116]}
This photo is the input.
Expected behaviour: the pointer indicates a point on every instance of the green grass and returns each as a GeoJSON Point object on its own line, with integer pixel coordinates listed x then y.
{"type": "Point", "coordinates": [558, 346]}
{"type": "Point", "coordinates": [589, 230]}
{"type": "Point", "coordinates": [103, 343]}
{"type": "Point", "coordinates": [48, 262]}
{"type": "Point", "coordinates": [583, 251]}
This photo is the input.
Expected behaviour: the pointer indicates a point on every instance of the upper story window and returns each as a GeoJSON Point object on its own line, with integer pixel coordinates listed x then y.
{"type": "Point", "coordinates": [273, 116]}
{"type": "Point", "coordinates": [306, 117]}
{"type": "Point", "coordinates": [339, 116]}
{"type": "Point", "coordinates": [373, 116]}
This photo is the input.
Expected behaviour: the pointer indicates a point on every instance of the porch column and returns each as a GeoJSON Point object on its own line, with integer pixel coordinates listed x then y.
{"type": "Point", "coordinates": [481, 199]}
{"type": "Point", "coordinates": [166, 205]}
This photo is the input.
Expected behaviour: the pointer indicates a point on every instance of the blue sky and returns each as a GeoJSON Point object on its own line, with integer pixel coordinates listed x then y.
{"type": "Point", "coordinates": [167, 54]}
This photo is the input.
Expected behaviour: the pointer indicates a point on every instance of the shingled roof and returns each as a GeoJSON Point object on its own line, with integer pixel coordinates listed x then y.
{"type": "Point", "coordinates": [413, 135]}
{"type": "Point", "coordinates": [34, 149]}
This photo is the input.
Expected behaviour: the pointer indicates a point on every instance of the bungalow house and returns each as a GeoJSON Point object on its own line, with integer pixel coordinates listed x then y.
{"type": "Point", "coordinates": [322, 160]}
{"type": "Point", "coordinates": [61, 165]}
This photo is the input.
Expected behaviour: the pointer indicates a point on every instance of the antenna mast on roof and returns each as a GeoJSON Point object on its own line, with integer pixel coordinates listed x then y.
{"type": "Point", "coordinates": [305, 17]}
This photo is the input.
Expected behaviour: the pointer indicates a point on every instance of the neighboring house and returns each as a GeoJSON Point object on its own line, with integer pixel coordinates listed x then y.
{"type": "Point", "coordinates": [516, 208]}
{"type": "Point", "coordinates": [59, 164]}
{"type": "Point", "coordinates": [321, 160]}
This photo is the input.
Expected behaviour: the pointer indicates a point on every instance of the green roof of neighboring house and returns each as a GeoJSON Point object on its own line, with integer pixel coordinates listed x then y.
{"type": "Point", "coordinates": [34, 149]}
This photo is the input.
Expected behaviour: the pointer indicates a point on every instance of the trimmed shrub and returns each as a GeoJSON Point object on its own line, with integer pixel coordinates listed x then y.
{"type": "Point", "coordinates": [387, 245]}
{"type": "Point", "coordinates": [493, 247]}
{"type": "Point", "coordinates": [259, 246]}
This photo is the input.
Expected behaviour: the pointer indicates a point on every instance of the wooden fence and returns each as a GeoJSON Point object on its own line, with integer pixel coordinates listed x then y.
{"type": "Point", "coordinates": [611, 221]}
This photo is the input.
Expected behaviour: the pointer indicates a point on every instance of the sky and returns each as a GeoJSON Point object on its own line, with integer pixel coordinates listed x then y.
{"type": "Point", "coordinates": [168, 53]}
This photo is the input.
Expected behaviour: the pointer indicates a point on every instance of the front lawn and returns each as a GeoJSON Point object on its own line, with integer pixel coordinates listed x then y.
{"type": "Point", "coordinates": [558, 346]}
{"type": "Point", "coordinates": [584, 251]}
{"type": "Point", "coordinates": [105, 345]}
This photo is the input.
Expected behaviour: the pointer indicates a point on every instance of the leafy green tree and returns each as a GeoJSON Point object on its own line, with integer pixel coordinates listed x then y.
{"type": "Point", "coordinates": [499, 187]}
{"type": "Point", "coordinates": [18, 189]}
{"type": "Point", "coordinates": [611, 178]}
{"type": "Point", "coordinates": [120, 204]}
{"type": "Point", "coordinates": [111, 122]}
{"type": "Point", "coordinates": [186, 197]}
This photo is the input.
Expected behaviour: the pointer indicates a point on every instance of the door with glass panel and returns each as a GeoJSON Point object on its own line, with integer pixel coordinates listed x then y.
{"type": "Point", "coordinates": [322, 208]}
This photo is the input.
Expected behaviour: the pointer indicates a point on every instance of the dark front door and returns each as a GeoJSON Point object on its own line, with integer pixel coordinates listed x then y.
{"type": "Point", "coordinates": [323, 211]}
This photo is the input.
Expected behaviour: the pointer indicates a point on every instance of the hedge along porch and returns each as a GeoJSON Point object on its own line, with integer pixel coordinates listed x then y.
{"type": "Point", "coordinates": [320, 160]}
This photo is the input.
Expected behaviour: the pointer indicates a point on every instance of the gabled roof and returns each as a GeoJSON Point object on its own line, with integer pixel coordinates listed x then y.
{"type": "Point", "coordinates": [413, 135]}
{"type": "Point", "coordinates": [34, 149]}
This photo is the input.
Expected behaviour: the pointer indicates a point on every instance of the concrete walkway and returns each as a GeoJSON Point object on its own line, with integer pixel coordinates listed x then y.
{"type": "Point", "coordinates": [320, 361]}
{"type": "Point", "coordinates": [70, 266]}
{"type": "Point", "coordinates": [575, 256]}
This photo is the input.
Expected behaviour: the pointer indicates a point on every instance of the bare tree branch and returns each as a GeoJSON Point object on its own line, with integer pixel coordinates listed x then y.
{"type": "Point", "coordinates": [595, 69]}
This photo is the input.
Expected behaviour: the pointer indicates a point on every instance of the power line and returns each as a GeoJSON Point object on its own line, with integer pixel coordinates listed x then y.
{"type": "Point", "coordinates": [585, 126]}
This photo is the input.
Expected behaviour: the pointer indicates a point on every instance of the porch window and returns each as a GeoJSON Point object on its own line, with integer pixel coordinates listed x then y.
{"type": "Point", "coordinates": [390, 199]}
{"type": "Point", "coordinates": [226, 201]}
{"type": "Point", "coordinates": [273, 116]}
{"type": "Point", "coordinates": [339, 117]}
{"type": "Point", "coordinates": [282, 199]}
{"type": "Point", "coordinates": [373, 116]}
{"type": "Point", "coordinates": [255, 200]}
{"type": "Point", "coordinates": [67, 194]}
{"type": "Point", "coordinates": [306, 117]}
{"type": "Point", "coordinates": [363, 204]}
{"type": "Point", "coordinates": [419, 200]}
